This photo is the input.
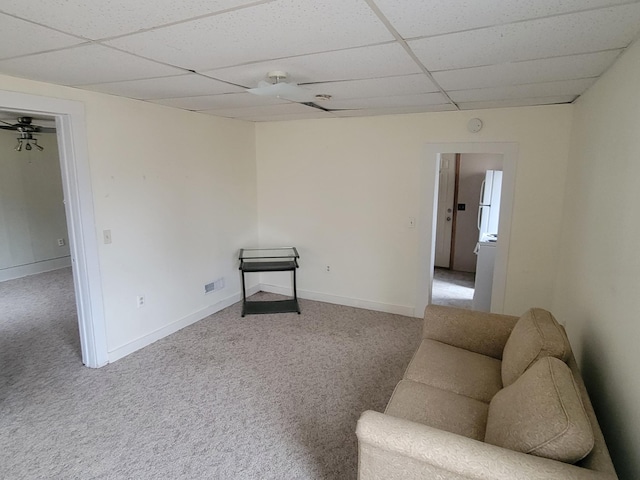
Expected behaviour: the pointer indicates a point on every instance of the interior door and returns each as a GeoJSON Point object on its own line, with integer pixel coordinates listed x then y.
{"type": "Point", "coordinates": [444, 223]}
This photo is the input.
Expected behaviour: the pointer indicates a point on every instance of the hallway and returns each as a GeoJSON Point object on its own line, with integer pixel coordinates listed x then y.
{"type": "Point", "coordinates": [453, 288]}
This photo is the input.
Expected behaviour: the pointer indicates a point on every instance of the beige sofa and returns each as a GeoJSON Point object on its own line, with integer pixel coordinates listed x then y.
{"type": "Point", "coordinates": [486, 396]}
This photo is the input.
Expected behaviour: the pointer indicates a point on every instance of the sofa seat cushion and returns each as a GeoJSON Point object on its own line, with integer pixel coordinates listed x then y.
{"type": "Point", "coordinates": [542, 413]}
{"type": "Point", "coordinates": [455, 370]}
{"type": "Point", "coordinates": [537, 334]}
{"type": "Point", "coordinates": [439, 409]}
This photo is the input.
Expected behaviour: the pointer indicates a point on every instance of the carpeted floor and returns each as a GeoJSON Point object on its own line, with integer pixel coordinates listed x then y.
{"type": "Point", "coordinates": [264, 397]}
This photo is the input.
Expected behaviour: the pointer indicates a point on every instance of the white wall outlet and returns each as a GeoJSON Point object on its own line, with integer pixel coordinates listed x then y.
{"type": "Point", "coordinates": [61, 242]}
{"type": "Point", "coordinates": [140, 301]}
{"type": "Point", "coordinates": [328, 268]}
{"type": "Point", "coordinates": [106, 235]}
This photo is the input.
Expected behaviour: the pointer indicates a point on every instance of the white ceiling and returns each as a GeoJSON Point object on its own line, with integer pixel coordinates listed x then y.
{"type": "Point", "coordinates": [374, 57]}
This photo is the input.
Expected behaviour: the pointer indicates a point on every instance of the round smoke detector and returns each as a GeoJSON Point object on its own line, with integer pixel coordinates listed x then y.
{"type": "Point", "coordinates": [474, 125]}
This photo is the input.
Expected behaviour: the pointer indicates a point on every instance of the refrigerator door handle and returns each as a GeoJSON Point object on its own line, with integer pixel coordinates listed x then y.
{"type": "Point", "coordinates": [480, 216]}
{"type": "Point", "coordinates": [484, 182]}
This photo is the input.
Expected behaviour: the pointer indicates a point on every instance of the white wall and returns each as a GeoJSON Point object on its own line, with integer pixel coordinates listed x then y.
{"type": "Point", "coordinates": [342, 191]}
{"type": "Point", "coordinates": [32, 216]}
{"type": "Point", "coordinates": [598, 288]}
{"type": "Point", "coordinates": [178, 192]}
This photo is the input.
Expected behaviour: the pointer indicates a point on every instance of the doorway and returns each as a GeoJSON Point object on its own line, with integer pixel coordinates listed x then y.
{"type": "Point", "coordinates": [78, 201]}
{"type": "Point", "coordinates": [429, 191]}
{"type": "Point", "coordinates": [460, 217]}
{"type": "Point", "coordinates": [33, 225]}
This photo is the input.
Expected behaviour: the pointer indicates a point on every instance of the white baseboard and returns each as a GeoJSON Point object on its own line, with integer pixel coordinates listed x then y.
{"type": "Point", "coordinates": [142, 342]}
{"type": "Point", "coordinates": [34, 268]}
{"type": "Point", "coordinates": [338, 300]}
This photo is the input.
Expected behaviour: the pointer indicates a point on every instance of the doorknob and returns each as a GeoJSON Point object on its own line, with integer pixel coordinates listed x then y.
{"type": "Point", "coordinates": [448, 219]}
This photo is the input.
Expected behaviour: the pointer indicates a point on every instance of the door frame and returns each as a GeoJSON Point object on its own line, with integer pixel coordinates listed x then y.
{"type": "Point", "coordinates": [456, 191]}
{"type": "Point", "coordinates": [78, 194]}
{"type": "Point", "coordinates": [428, 216]}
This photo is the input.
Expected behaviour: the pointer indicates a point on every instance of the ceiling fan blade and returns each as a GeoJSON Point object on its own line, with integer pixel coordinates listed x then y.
{"type": "Point", "coordinates": [7, 127]}
{"type": "Point", "coordinates": [45, 129]}
{"type": "Point", "coordinates": [285, 91]}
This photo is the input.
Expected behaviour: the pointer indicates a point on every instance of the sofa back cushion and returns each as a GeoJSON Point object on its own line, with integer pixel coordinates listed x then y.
{"type": "Point", "coordinates": [537, 334]}
{"type": "Point", "coordinates": [541, 413]}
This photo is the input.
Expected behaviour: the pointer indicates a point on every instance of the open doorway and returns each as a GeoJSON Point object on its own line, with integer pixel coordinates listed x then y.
{"type": "Point", "coordinates": [33, 225]}
{"type": "Point", "coordinates": [468, 209]}
{"type": "Point", "coordinates": [37, 296]}
{"type": "Point", "coordinates": [78, 204]}
{"type": "Point", "coordinates": [429, 189]}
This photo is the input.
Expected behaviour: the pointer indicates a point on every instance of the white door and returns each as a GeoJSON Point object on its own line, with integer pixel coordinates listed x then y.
{"type": "Point", "coordinates": [444, 225]}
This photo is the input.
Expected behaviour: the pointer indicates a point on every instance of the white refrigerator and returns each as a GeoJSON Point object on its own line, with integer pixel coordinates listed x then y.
{"type": "Point", "coordinates": [488, 220]}
{"type": "Point", "coordinates": [489, 211]}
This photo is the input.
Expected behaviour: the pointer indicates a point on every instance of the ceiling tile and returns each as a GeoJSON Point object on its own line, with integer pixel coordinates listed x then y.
{"type": "Point", "coordinates": [530, 71]}
{"type": "Point", "coordinates": [591, 31]}
{"type": "Point", "coordinates": [165, 87]}
{"type": "Point", "coordinates": [287, 117]}
{"type": "Point", "coordinates": [101, 19]}
{"type": "Point", "coordinates": [547, 89]}
{"type": "Point", "coordinates": [375, 87]}
{"type": "Point", "coordinates": [419, 18]}
{"type": "Point", "coordinates": [272, 30]}
{"type": "Point", "coordinates": [520, 102]}
{"type": "Point", "coordinates": [355, 63]}
{"type": "Point", "coordinates": [366, 112]}
{"type": "Point", "coordinates": [416, 100]}
{"type": "Point", "coordinates": [18, 37]}
{"type": "Point", "coordinates": [84, 65]}
{"type": "Point", "coordinates": [229, 100]}
{"type": "Point", "coordinates": [264, 110]}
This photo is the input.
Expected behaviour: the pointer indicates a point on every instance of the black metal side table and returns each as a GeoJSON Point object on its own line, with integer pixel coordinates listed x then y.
{"type": "Point", "coordinates": [280, 259]}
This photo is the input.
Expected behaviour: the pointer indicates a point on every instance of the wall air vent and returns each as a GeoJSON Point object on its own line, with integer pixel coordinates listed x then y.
{"type": "Point", "coordinates": [214, 286]}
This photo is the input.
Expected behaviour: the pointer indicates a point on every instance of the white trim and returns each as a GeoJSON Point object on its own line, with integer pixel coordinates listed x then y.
{"type": "Point", "coordinates": [428, 205]}
{"type": "Point", "coordinates": [152, 337]}
{"type": "Point", "coordinates": [83, 242]}
{"type": "Point", "coordinates": [20, 271]}
{"type": "Point", "coordinates": [338, 300]}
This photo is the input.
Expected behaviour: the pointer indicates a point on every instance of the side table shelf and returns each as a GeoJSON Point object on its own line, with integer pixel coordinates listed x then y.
{"type": "Point", "coordinates": [280, 259]}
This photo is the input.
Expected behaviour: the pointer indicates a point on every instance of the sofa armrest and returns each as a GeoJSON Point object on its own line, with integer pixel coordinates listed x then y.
{"type": "Point", "coordinates": [391, 448]}
{"type": "Point", "coordinates": [479, 332]}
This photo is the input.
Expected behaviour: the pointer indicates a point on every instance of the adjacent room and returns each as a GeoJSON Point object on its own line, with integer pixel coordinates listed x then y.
{"type": "Point", "coordinates": [143, 145]}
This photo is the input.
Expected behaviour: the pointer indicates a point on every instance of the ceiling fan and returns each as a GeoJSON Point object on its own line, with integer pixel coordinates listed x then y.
{"type": "Point", "coordinates": [26, 129]}
{"type": "Point", "coordinates": [291, 91]}
{"type": "Point", "coordinates": [281, 89]}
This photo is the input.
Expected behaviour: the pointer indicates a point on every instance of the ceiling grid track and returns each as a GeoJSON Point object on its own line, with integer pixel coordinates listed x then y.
{"type": "Point", "coordinates": [407, 49]}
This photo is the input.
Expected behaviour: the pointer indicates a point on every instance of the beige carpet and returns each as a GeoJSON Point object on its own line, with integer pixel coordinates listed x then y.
{"type": "Point", "coordinates": [264, 397]}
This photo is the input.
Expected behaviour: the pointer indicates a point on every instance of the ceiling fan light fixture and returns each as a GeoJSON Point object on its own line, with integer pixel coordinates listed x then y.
{"type": "Point", "coordinates": [283, 90]}
{"type": "Point", "coordinates": [26, 129]}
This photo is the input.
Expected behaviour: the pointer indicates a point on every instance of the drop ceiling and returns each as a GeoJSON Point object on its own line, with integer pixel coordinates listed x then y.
{"type": "Point", "coordinates": [373, 57]}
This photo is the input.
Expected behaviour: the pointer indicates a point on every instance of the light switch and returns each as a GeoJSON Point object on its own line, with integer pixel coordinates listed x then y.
{"type": "Point", "coordinates": [107, 236]}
